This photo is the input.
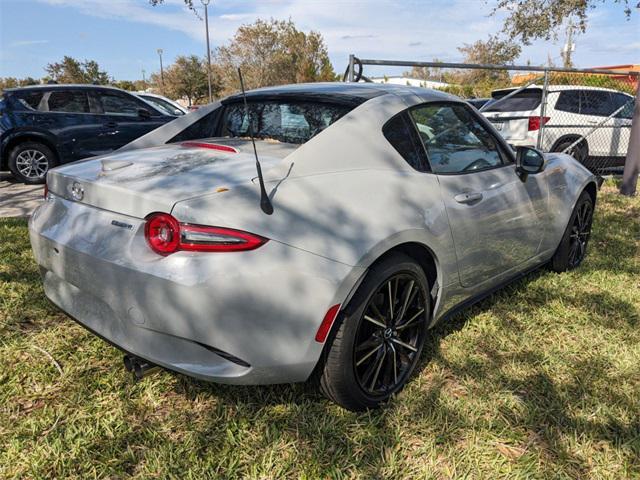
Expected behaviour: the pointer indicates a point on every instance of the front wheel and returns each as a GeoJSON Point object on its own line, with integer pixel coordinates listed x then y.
{"type": "Point", "coordinates": [573, 246]}
{"type": "Point", "coordinates": [380, 336]}
{"type": "Point", "coordinates": [30, 161]}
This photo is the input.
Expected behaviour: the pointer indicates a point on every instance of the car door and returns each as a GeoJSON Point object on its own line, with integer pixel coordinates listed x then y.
{"type": "Point", "coordinates": [70, 119]}
{"type": "Point", "coordinates": [496, 218]}
{"type": "Point", "coordinates": [126, 117]}
{"type": "Point", "coordinates": [595, 107]}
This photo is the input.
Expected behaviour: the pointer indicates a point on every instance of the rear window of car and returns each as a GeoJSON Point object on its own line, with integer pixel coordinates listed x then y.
{"type": "Point", "coordinates": [285, 121]}
{"type": "Point", "coordinates": [69, 101]}
{"type": "Point", "coordinates": [29, 100]}
{"type": "Point", "coordinates": [523, 101]}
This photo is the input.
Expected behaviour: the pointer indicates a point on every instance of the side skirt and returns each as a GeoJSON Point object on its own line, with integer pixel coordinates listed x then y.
{"type": "Point", "coordinates": [487, 293]}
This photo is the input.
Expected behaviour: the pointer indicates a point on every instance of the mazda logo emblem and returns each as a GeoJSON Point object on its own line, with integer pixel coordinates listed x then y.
{"type": "Point", "coordinates": [77, 191]}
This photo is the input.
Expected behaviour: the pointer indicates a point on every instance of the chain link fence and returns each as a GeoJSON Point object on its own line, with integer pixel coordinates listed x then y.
{"type": "Point", "coordinates": [584, 112]}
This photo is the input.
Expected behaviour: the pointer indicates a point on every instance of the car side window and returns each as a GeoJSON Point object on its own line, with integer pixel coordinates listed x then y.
{"type": "Point", "coordinates": [68, 101]}
{"type": "Point", "coordinates": [594, 102]}
{"type": "Point", "coordinates": [116, 104]}
{"type": "Point", "coordinates": [626, 102]}
{"type": "Point", "coordinates": [401, 133]}
{"type": "Point", "coordinates": [455, 140]}
{"type": "Point", "coordinates": [30, 100]}
{"type": "Point", "coordinates": [568, 101]}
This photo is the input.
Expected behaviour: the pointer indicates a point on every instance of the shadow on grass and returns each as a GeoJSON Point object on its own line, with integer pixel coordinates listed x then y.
{"type": "Point", "coordinates": [548, 407]}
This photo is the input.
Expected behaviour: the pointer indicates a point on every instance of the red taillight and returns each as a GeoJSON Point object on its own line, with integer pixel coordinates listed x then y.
{"type": "Point", "coordinates": [534, 122]}
{"type": "Point", "coordinates": [165, 235]}
{"type": "Point", "coordinates": [325, 326]}
{"type": "Point", "coordinates": [212, 146]}
{"type": "Point", "coordinates": [162, 232]}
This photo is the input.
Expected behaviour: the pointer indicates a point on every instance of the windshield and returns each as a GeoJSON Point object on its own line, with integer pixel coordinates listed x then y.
{"type": "Point", "coordinates": [285, 121]}
{"type": "Point", "coordinates": [163, 105]}
{"type": "Point", "coordinates": [523, 101]}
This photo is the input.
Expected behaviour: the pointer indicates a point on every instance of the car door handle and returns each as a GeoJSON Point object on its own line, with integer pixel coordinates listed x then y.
{"type": "Point", "coordinates": [468, 197]}
{"type": "Point", "coordinates": [111, 125]}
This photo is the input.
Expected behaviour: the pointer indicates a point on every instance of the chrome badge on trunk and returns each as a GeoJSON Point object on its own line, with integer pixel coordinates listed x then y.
{"type": "Point", "coordinates": [77, 191]}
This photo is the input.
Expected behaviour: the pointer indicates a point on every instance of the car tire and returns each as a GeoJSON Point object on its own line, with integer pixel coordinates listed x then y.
{"type": "Point", "coordinates": [573, 246]}
{"type": "Point", "coordinates": [358, 384]}
{"type": "Point", "coordinates": [30, 161]}
{"type": "Point", "coordinates": [580, 152]}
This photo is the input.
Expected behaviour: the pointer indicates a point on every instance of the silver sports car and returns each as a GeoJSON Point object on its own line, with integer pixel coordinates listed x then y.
{"type": "Point", "coordinates": [379, 211]}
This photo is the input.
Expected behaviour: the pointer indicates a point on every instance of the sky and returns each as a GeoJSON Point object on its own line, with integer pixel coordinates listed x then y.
{"type": "Point", "coordinates": [123, 35]}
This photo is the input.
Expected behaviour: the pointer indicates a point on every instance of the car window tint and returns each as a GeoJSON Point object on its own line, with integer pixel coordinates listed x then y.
{"type": "Point", "coordinates": [285, 121]}
{"type": "Point", "coordinates": [455, 139]}
{"type": "Point", "coordinates": [626, 102]}
{"type": "Point", "coordinates": [523, 101]}
{"type": "Point", "coordinates": [568, 101]}
{"type": "Point", "coordinates": [598, 103]}
{"type": "Point", "coordinates": [115, 104]}
{"type": "Point", "coordinates": [29, 100]}
{"type": "Point", "coordinates": [401, 133]}
{"type": "Point", "coordinates": [68, 101]}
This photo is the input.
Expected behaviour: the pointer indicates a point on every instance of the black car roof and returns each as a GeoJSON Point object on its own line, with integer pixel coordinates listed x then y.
{"type": "Point", "coordinates": [355, 93]}
{"type": "Point", "coordinates": [55, 86]}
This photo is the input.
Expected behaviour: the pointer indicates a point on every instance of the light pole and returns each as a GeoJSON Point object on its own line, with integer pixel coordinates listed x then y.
{"type": "Point", "coordinates": [161, 69]}
{"type": "Point", "coordinates": [206, 26]}
{"type": "Point", "coordinates": [144, 80]}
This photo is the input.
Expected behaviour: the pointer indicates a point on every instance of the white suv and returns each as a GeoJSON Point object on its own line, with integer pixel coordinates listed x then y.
{"type": "Point", "coordinates": [571, 113]}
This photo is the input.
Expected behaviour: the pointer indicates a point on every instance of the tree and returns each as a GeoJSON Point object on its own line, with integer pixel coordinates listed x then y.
{"type": "Point", "coordinates": [12, 82]}
{"type": "Point", "coordinates": [186, 77]}
{"type": "Point", "coordinates": [70, 70]}
{"type": "Point", "coordinates": [273, 52]}
{"type": "Point", "coordinates": [532, 19]}
{"type": "Point", "coordinates": [493, 51]}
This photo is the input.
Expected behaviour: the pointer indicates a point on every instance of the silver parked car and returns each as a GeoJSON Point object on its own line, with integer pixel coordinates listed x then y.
{"type": "Point", "coordinates": [392, 207]}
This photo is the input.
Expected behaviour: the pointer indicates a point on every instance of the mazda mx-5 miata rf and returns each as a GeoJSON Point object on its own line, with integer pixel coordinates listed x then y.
{"type": "Point", "coordinates": [383, 210]}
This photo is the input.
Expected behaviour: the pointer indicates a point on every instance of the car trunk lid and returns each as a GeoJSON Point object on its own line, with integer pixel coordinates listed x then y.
{"type": "Point", "coordinates": [511, 116]}
{"type": "Point", "coordinates": [138, 182]}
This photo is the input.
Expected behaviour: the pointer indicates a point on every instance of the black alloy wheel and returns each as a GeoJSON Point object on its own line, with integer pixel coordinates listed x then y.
{"type": "Point", "coordinates": [390, 335]}
{"type": "Point", "coordinates": [580, 232]}
{"type": "Point", "coordinates": [378, 337]}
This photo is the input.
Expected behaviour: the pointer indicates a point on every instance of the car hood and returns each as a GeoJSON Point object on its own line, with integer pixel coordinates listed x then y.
{"type": "Point", "coordinates": [138, 182]}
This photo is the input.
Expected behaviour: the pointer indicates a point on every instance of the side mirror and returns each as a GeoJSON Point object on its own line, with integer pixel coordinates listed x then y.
{"type": "Point", "coordinates": [177, 112]}
{"type": "Point", "coordinates": [529, 161]}
{"type": "Point", "coordinates": [144, 113]}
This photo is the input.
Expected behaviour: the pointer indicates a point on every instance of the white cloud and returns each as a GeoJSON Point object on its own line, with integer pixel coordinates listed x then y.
{"type": "Point", "coordinates": [27, 43]}
{"type": "Point", "coordinates": [374, 28]}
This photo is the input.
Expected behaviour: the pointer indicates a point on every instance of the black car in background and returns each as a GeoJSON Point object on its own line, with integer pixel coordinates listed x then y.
{"type": "Point", "coordinates": [47, 125]}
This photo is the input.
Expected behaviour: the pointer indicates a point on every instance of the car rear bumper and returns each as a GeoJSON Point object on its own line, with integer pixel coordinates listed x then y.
{"type": "Point", "coordinates": [241, 317]}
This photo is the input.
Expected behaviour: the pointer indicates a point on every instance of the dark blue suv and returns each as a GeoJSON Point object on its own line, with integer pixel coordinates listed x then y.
{"type": "Point", "coordinates": [48, 125]}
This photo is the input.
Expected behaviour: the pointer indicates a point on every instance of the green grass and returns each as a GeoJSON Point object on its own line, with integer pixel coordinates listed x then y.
{"type": "Point", "coordinates": [542, 380]}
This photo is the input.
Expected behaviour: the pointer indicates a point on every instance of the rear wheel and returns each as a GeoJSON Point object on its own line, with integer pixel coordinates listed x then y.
{"type": "Point", "coordinates": [380, 337]}
{"type": "Point", "coordinates": [579, 151]}
{"type": "Point", "coordinates": [573, 247]}
{"type": "Point", "coordinates": [30, 161]}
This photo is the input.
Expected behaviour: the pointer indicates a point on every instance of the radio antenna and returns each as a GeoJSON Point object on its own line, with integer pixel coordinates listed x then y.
{"type": "Point", "coordinates": [265, 202]}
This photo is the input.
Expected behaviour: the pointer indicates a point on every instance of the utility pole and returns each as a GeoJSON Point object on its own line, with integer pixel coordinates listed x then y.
{"type": "Point", "coordinates": [206, 26]}
{"type": "Point", "coordinates": [569, 46]}
{"type": "Point", "coordinates": [144, 80]}
{"type": "Point", "coordinates": [161, 69]}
